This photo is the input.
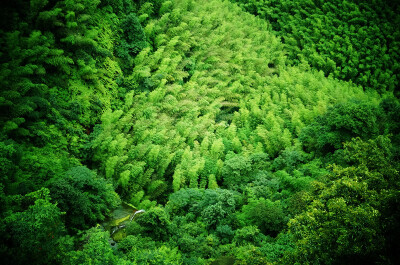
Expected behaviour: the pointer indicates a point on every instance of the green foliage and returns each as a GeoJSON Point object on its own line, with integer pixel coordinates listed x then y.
{"type": "Point", "coordinates": [236, 170]}
{"type": "Point", "coordinates": [86, 198]}
{"type": "Point", "coordinates": [212, 205]}
{"type": "Point", "coordinates": [27, 168]}
{"type": "Point", "coordinates": [175, 135]}
{"type": "Point", "coordinates": [201, 220]}
{"type": "Point", "coordinates": [119, 6]}
{"type": "Point", "coordinates": [222, 129]}
{"type": "Point", "coordinates": [153, 223]}
{"type": "Point", "coordinates": [143, 250]}
{"type": "Point", "coordinates": [342, 122]}
{"type": "Point", "coordinates": [350, 40]}
{"type": "Point", "coordinates": [345, 221]}
{"type": "Point", "coordinates": [132, 40]}
{"type": "Point", "coordinates": [35, 231]}
{"type": "Point", "coordinates": [96, 249]}
{"type": "Point", "coordinates": [268, 216]}
{"type": "Point", "coordinates": [247, 234]}
{"type": "Point", "coordinates": [217, 212]}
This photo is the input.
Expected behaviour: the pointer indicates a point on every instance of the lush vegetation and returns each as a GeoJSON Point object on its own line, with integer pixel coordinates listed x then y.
{"type": "Point", "coordinates": [355, 41]}
{"type": "Point", "coordinates": [267, 139]}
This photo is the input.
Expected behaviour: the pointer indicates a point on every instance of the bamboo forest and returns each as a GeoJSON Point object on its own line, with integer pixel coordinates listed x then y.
{"type": "Point", "coordinates": [213, 132]}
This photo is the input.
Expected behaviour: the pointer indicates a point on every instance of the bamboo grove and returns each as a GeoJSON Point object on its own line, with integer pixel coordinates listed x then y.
{"type": "Point", "coordinates": [249, 132]}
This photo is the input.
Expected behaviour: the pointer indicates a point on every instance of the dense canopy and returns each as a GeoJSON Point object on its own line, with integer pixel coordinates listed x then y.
{"type": "Point", "coordinates": [245, 132]}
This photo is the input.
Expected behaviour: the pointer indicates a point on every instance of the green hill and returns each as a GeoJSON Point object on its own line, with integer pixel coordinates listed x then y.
{"type": "Point", "coordinates": [239, 147]}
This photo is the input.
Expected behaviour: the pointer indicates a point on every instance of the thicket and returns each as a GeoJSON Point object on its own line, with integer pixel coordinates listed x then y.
{"type": "Point", "coordinates": [241, 148]}
{"type": "Point", "coordinates": [352, 40]}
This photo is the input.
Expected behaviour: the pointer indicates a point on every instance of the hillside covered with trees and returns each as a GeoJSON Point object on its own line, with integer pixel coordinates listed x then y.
{"type": "Point", "coordinates": [246, 132]}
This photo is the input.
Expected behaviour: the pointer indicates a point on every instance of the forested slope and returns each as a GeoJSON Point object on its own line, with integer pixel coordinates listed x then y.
{"type": "Point", "coordinates": [241, 149]}
{"type": "Point", "coordinates": [217, 86]}
{"type": "Point", "coordinates": [355, 41]}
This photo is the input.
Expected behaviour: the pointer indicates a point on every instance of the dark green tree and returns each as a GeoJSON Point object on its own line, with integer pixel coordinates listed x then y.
{"type": "Point", "coordinates": [132, 40]}
{"type": "Point", "coordinates": [34, 231]}
{"type": "Point", "coordinates": [353, 214]}
{"type": "Point", "coordinates": [86, 198]}
{"type": "Point", "coordinates": [96, 250]}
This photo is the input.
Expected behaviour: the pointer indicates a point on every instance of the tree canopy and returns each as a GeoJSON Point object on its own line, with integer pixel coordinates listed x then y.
{"type": "Point", "coordinates": [199, 132]}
